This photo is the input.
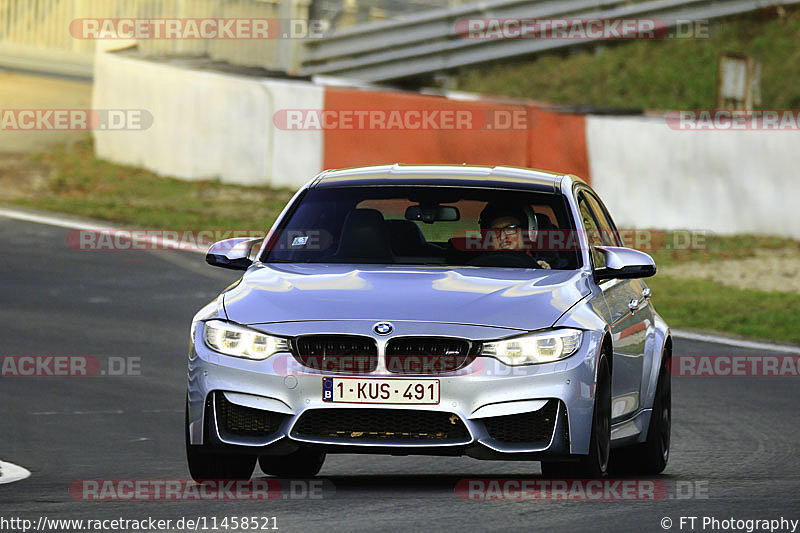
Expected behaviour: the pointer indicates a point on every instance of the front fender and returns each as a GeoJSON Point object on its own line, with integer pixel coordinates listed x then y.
{"type": "Point", "coordinates": [589, 314]}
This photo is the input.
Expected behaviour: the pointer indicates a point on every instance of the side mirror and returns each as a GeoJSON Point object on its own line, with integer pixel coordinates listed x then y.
{"type": "Point", "coordinates": [624, 263]}
{"type": "Point", "coordinates": [235, 254]}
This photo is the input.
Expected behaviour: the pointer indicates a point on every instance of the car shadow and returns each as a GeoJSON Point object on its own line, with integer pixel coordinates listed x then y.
{"type": "Point", "coordinates": [435, 482]}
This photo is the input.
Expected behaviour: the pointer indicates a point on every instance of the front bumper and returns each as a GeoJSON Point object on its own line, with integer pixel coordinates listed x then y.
{"type": "Point", "coordinates": [488, 397]}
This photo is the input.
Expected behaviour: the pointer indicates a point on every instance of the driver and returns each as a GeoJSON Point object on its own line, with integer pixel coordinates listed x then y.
{"type": "Point", "coordinates": [510, 222]}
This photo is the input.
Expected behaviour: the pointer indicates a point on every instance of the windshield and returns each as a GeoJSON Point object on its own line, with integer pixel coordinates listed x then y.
{"type": "Point", "coordinates": [426, 226]}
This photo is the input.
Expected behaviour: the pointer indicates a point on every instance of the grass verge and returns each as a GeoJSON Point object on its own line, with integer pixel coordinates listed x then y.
{"type": "Point", "coordinates": [84, 185]}
{"type": "Point", "coordinates": [706, 305]}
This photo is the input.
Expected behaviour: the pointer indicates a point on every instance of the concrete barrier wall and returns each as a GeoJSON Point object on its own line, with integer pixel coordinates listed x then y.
{"type": "Point", "coordinates": [651, 176]}
{"type": "Point", "coordinates": [206, 125]}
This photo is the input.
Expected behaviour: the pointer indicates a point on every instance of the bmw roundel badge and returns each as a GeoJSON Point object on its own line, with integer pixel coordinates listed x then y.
{"type": "Point", "coordinates": [383, 328]}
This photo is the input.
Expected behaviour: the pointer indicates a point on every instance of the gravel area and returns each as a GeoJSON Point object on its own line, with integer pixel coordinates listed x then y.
{"type": "Point", "coordinates": [29, 91]}
{"type": "Point", "coordinates": [767, 270]}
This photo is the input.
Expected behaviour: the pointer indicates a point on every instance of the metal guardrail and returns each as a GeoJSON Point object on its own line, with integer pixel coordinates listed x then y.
{"type": "Point", "coordinates": [430, 42]}
{"type": "Point", "coordinates": [34, 34]}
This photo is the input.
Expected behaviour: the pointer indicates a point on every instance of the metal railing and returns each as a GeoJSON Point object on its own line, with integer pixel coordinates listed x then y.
{"type": "Point", "coordinates": [431, 41]}
{"type": "Point", "coordinates": [35, 34]}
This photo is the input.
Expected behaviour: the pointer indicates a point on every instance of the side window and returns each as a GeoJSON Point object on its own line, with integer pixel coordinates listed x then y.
{"type": "Point", "coordinates": [607, 233]}
{"type": "Point", "coordinates": [592, 231]}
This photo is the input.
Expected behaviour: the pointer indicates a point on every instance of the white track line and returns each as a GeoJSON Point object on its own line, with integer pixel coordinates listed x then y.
{"type": "Point", "coordinates": [53, 220]}
{"type": "Point", "coordinates": [735, 342]}
{"type": "Point", "coordinates": [10, 472]}
{"type": "Point", "coordinates": [50, 220]}
{"type": "Point", "coordinates": [62, 222]}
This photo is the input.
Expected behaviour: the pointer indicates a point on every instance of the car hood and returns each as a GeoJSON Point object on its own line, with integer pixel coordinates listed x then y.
{"type": "Point", "coordinates": [502, 297]}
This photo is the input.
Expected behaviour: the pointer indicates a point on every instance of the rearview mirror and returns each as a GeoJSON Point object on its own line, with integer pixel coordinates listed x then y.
{"type": "Point", "coordinates": [235, 254]}
{"type": "Point", "coordinates": [624, 263]}
{"type": "Point", "coordinates": [433, 213]}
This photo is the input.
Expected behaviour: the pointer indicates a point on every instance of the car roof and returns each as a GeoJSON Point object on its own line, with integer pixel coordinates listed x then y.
{"type": "Point", "coordinates": [499, 177]}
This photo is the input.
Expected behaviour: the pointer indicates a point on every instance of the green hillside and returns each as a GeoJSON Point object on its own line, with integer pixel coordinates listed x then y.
{"type": "Point", "coordinates": [665, 74]}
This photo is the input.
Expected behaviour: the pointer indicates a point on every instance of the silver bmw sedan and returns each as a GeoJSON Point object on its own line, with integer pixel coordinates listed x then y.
{"type": "Point", "coordinates": [491, 312]}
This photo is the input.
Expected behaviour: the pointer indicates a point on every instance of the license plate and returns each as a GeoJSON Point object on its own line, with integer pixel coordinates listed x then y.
{"type": "Point", "coordinates": [388, 391]}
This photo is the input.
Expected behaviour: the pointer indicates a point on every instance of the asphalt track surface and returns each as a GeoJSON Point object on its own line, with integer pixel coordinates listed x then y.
{"type": "Point", "coordinates": [734, 439]}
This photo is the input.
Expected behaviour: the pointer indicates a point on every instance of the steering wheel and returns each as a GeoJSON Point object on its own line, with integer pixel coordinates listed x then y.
{"type": "Point", "coordinates": [504, 259]}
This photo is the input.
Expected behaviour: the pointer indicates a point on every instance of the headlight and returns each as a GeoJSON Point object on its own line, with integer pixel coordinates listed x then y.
{"type": "Point", "coordinates": [536, 348]}
{"type": "Point", "coordinates": [239, 341]}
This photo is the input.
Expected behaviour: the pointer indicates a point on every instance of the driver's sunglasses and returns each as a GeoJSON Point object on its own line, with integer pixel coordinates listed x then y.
{"type": "Point", "coordinates": [511, 229]}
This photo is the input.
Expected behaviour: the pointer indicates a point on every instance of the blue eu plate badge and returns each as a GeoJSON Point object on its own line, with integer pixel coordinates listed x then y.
{"type": "Point", "coordinates": [327, 389]}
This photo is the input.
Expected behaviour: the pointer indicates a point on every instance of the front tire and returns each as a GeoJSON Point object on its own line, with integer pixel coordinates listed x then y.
{"type": "Point", "coordinates": [207, 465]}
{"type": "Point", "coordinates": [651, 456]}
{"type": "Point", "coordinates": [595, 464]}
